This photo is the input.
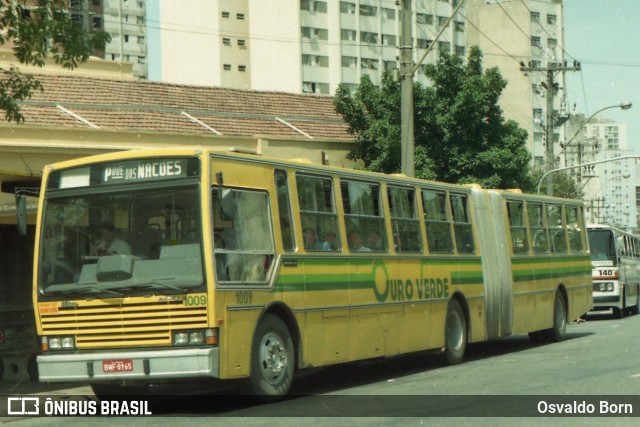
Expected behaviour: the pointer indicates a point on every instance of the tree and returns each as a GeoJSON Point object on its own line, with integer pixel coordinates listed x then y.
{"type": "Point", "coordinates": [36, 30]}
{"type": "Point", "coordinates": [563, 185]}
{"type": "Point", "coordinates": [460, 133]}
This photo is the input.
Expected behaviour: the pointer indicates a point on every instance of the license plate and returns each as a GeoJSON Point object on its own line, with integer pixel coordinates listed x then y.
{"type": "Point", "coordinates": [121, 365]}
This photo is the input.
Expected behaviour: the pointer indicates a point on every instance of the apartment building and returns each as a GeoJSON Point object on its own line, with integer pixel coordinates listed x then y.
{"type": "Point", "coordinates": [609, 188]}
{"type": "Point", "coordinates": [513, 33]}
{"type": "Point", "coordinates": [290, 45]}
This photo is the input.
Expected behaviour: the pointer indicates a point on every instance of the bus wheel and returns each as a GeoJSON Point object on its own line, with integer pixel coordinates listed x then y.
{"type": "Point", "coordinates": [272, 359]}
{"type": "Point", "coordinates": [455, 333]}
{"type": "Point", "coordinates": [559, 329]}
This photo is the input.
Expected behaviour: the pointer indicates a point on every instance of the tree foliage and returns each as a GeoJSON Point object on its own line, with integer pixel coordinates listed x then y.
{"type": "Point", "coordinates": [36, 30]}
{"type": "Point", "coordinates": [460, 133]}
{"type": "Point", "coordinates": [563, 185]}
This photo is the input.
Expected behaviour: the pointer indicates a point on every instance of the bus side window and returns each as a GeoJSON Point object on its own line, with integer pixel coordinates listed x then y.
{"type": "Point", "coordinates": [436, 217]}
{"type": "Point", "coordinates": [462, 227]}
{"type": "Point", "coordinates": [363, 215]}
{"type": "Point", "coordinates": [519, 240]}
{"type": "Point", "coordinates": [537, 229]}
{"type": "Point", "coordinates": [558, 242]}
{"type": "Point", "coordinates": [318, 213]}
{"type": "Point", "coordinates": [575, 228]}
{"type": "Point", "coordinates": [284, 210]}
{"type": "Point", "coordinates": [243, 240]}
{"type": "Point", "coordinates": [404, 220]}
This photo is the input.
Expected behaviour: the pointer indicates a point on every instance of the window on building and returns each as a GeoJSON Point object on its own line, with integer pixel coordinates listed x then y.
{"type": "Point", "coordinates": [313, 6]}
{"type": "Point", "coordinates": [349, 62]}
{"type": "Point", "coordinates": [315, 87]}
{"type": "Point", "coordinates": [97, 22]}
{"type": "Point", "coordinates": [444, 46]}
{"type": "Point", "coordinates": [388, 40]}
{"type": "Point", "coordinates": [348, 35]}
{"type": "Point", "coordinates": [369, 64]}
{"type": "Point", "coordinates": [366, 10]}
{"type": "Point", "coordinates": [535, 16]}
{"type": "Point", "coordinates": [370, 38]}
{"type": "Point", "coordinates": [242, 68]}
{"type": "Point", "coordinates": [226, 41]}
{"type": "Point", "coordinates": [227, 67]}
{"type": "Point", "coordinates": [389, 14]}
{"type": "Point", "coordinates": [535, 41]}
{"type": "Point", "coordinates": [423, 43]}
{"type": "Point", "coordinates": [460, 51]}
{"type": "Point", "coordinates": [315, 60]}
{"type": "Point", "coordinates": [314, 33]}
{"type": "Point", "coordinates": [240, 16]}
{"type": "Point", "coordinates": [347, 7]}
{"type": "Point", "coordinates": [241, 43]}
{"type": "Point", "coordinates": [459, 26]}
{"type": "Point", "coordinates": [552, 19]}
{"type": "Point", "coordinates": [424, 18]}
{"type": "Point", "coordinates": [441, 21]}
{"type": "Point", "coordinates": [225, 14]}
{"type": "Point", "coordinates": [552, 43]}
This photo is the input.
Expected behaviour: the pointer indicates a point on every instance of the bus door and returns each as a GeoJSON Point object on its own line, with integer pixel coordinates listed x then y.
{"type": "Point", "coordinates": [496, 262]}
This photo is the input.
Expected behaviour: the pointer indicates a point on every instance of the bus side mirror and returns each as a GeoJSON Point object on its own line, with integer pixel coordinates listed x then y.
{"type": "Point", "coordinates": [21, 213]}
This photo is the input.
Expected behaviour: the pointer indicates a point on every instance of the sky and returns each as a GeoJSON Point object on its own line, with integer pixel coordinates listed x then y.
{"type": "Point", "coordinates": [604, 36]}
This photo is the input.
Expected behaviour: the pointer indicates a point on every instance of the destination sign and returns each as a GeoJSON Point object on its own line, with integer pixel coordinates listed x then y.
{"type": "Point", "coordinates": [126, 171]}
{"type": "Point", "coordinates": [145, 170]}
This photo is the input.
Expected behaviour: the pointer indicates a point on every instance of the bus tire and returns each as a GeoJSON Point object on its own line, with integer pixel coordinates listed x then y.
{"type": "Point", "coordinates": [455, 335]}
{"type": "Point", "coordinates": [559, 329]}
{"type": "Point", "coordinates": [272, 359]}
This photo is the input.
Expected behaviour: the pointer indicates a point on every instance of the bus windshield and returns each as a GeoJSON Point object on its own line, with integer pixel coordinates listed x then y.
{"type": "Point", "coordinates": [602, 246]}
{"type": "Point", "coordinates": [121, 242]}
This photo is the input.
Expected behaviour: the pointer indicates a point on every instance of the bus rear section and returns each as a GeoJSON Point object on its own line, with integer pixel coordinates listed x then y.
{"type": "Point", "coordinates": [615, 260]}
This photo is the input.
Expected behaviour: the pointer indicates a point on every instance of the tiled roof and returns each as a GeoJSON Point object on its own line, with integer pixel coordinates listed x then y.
{"type": "Point", "coordinates": [149, 106]}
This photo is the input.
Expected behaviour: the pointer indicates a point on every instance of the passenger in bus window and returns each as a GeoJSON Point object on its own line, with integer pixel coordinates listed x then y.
{"type": "Point", "coordinates": [146, 240]}
{"type": "Point", "coordinates": [332, 240]}
{"type": "Point", "coordinates": [373, 242]}
{"type": "Point", "coordinates": [311, 242]}
{"type": "Point", "coordinates": [111, 244]}
{"type": "Point", "coordinates": [355, 243]}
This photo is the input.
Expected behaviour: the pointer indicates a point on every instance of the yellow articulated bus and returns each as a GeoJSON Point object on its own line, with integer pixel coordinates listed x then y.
{"type": "Point", "coordinates": [165, 265]}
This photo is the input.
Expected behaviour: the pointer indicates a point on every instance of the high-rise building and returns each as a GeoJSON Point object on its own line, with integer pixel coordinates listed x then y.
{"type": "Point", "coordinates": [517, 33]}
{"type": "Point", "coordinates": [290, 45]}
{"type": "Point", "coordinates": [125, 21]}
{"type": "Point", "coordinates": [609, 187]}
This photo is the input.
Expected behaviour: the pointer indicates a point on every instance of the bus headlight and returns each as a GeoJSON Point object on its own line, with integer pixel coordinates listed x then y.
{"type": "Point", "coordinates": [58, 343]}
{"type": "Point", "coordinates": [194, 337]}
{"type": "Point", "coordinates": [603, 287]}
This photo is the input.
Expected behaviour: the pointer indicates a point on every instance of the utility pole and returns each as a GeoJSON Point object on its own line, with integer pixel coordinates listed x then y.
{"type": "Point", "coordinates": [407, 160]}
{"type": "Point", "coordinates": [407, 71]}
{"type": "Point", "coordinates": [552, 87]}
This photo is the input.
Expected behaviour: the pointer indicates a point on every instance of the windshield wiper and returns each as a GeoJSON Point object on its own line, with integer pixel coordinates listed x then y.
{"type": "Point", "coordinates": [83, 290]}
{"type": "Point", "coordinates": [150, 285]}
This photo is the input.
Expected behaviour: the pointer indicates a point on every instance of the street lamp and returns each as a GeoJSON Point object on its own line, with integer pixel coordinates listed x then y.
{"type": "Point", "coordinates": [615, 159]}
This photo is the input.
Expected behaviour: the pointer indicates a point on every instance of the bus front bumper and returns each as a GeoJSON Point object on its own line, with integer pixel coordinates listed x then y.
{"type": "Point", "coordinates": [147, 365]}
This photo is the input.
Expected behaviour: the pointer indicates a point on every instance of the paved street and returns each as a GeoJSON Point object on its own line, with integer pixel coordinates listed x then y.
{"type": "Point", "coordinates": [599, 360]}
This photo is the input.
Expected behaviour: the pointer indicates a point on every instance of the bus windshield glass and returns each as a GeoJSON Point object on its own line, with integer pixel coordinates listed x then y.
{"type": "Point", "coordinates": [121, 242]}
{"type": "Point", "coordinates": [602, 246]}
